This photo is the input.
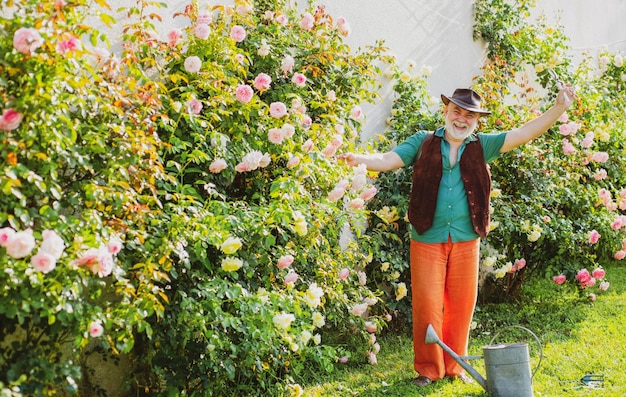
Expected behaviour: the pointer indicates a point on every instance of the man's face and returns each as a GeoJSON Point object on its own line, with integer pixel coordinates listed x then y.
{"type": "Point", "coordinates": [459, 123]}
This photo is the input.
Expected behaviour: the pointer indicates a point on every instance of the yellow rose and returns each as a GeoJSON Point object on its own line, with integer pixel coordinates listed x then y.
{"type": "Point", "coordinates": [231, 245]}
{"type": "Point", "coordinates": [231, 264]}
{"type": "Point", "coordinates": [401, 291]}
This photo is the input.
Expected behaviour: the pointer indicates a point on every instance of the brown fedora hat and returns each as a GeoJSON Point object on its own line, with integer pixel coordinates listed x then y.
{"type": "Point", "coordinates": [467, 99]}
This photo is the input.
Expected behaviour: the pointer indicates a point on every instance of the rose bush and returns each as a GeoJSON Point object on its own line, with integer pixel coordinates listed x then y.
{"type": "Point", "coordinates": [79, 163]}
{"type": "Point", "coordinates": [257, 99]}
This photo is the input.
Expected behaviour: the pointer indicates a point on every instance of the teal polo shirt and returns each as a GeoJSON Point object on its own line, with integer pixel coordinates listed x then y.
{"type": "Point", "coordinates": [452, 214]}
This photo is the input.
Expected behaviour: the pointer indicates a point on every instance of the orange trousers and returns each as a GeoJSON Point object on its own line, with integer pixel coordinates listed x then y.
{"type": "Point", "coordinates": [444, 288]}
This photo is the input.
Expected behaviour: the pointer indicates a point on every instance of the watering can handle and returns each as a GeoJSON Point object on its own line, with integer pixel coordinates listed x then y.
{"type": "Point", "coordinates": [534, 336]}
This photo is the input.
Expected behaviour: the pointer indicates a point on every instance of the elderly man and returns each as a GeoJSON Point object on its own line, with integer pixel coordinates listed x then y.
{"type": "Point", "coordinates": [449, 213]}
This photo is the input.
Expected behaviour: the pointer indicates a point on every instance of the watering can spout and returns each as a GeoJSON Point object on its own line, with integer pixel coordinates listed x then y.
{"type": "Point", "coordinates": [432, 338]}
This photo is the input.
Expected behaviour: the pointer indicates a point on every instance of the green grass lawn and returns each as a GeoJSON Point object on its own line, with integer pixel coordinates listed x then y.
{"type": "Point", "coordinates": [578, 337]}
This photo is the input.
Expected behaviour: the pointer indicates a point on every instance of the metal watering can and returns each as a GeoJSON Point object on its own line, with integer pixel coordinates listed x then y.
{"type": "Point", "coordinates": [507, 365]}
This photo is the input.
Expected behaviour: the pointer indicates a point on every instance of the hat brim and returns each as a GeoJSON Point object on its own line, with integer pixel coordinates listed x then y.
{"type": "Point", "coordinates": [465, 105]}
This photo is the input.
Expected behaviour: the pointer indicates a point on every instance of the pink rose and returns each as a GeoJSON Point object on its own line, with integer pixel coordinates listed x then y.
{"type": "Point", "coordinates": [104, 266]}
{"type": "Point", "coordinates": [565, 129]}
{"type": "Point", "coordinates": [336, 194]}
{"type": "Point", "coordinates": [336, 142]}
{"type": "Point", "coordinates": [262, 82]}
{"type": "Point", "coordinates": [115, 245]}
{"type": "Point", "coordinates": [370, 327]}
{"type": "Point", "coordinates": [27, 40]}
{"type": "Point", "coordinates": [592, 297]}
{"type": "Point", "coordinates": [343, 27]}
{"type": "Point", "coordinates": [299, 79]}
{"type": "Point", "coordinates": [278, 110]}
{"type": "Point", "coordinates": [52, 244]}
{"type": "Point", "coordinates": [68, 43]}
{"type": "Point", "coordinates": [329, 151]}
{"type": "Point", "coordinates": [43, 262]}
{"type": "Point", "coordinates": [285, 261]}
{"type": "Point", "coordinates": [275, 135]}
{"type": "Point", "coordinates": [359, 309]}
{"type": "Point", "coordinates": [604, 286]}
{"type": "Point", "coordinates": [563, 118]}
{"type": "Point", "coordinates": [307, 22]}
{"type": "Point", "coordinates": [619, 255]}
{"type": "Point", "coordinates": [291, 278]}
{"type": "Point", "coordinates": [293, 162]}
{"type": "Point", "coordinates": [202, 31]}
{"type": "Point", "coordinates": [568, 148]}
{"type": "Point", "coordinates": [240, 58]}
{"type": "Point", "coordinates": [600, 175]}
{"type": "Point", "coordinates": [587, 142]}
{"type": "Point", "coordinates": [95, 329]}
{"type": "Point", "coordinates": [287, 64]}
{"type": "Point", "coordinates": [584, 278]}
{"type": "Point", "coordinates": [288, 130]}
{"type": "Point", "coordinates": [20, 244]}
{"type": "Point", "coordinates": [244, 93]}
{"type": "Point", "coordinates": [518, 265]}
{"type": "Point", "coordinates": [193, 64]}
{"type": "Point", "coordinates": [343, 360]}
{"type": "Point", "coordinates": [356, 204]}
{"type": "Point", "coordinates": [594, 236]}
{"type": "Point", "coordinates": [560, 279]}
{"type": "Point", "coordinates": [600, 157]}
{"type": "Point", "coordinates": [238, 33]}
{"type": "Point", "coordinates": [371, 358]}
{"type": "Point", "coordinates": [308, 146]}
{"type": "Point", "coordinates": [6, 233]}
{"type": "Point", "coordinates": [369, 193]}
{"type": "Point", "coordinates": [343, 273]}
{"type": "Point", "coordinates": [10, 120]}
{"type": "Point", "coordinates": [282, 20]}
{"type": "Point", "coordinates": [194, 106]}
{"type": "Point", "coordinates": [174, 36]}
{"type": "Point", "coordinates": [356, 113]}
{"type": "Point", "coordinates": [598, 273]}
{"type": "Point", "coordinates": [98, 260]}
{"type": "Point", "coordinates": [218, 165]}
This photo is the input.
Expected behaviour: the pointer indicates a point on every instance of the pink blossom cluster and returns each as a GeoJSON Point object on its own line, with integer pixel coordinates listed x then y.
{"type": "Point", "coordinates": [21, 244]}
{"type": "Point", "coordinates": [253, 160]}
{"type": "Point", "coordinates": [100, 260]}
{"type": "Point", "coordinates": [360, 310]}
{"type": "Point", "coordinates": [358, 184]}
{"type": "Point", "coordinates": [605, 198]}
{"type": "Point", "coordinates": [586, 279]}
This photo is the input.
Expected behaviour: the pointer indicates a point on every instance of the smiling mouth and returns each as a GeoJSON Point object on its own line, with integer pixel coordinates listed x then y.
{"type": "Point", "coordinates": [460, 127]}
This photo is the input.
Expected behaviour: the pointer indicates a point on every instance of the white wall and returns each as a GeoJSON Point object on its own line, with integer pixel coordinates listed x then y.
{"type": "Point", "coordinates": [438, 33]}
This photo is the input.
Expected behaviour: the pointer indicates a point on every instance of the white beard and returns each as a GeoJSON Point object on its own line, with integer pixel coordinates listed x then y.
{"type": "Point", "coordinates": [458, 131]}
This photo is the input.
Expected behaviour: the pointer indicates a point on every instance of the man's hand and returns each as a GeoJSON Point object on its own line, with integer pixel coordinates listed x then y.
{"type": "Point", "coordinates": [349, 158]}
